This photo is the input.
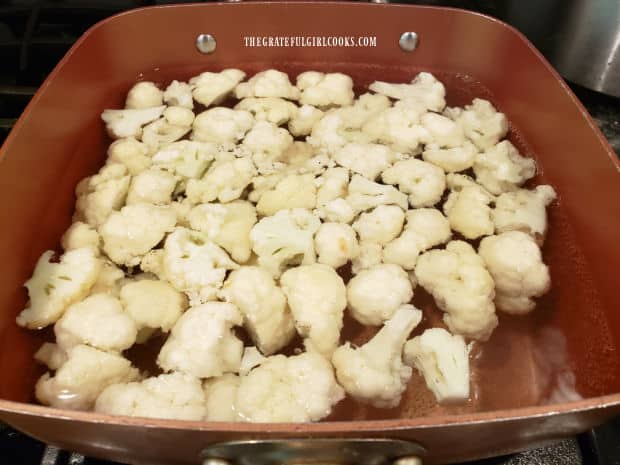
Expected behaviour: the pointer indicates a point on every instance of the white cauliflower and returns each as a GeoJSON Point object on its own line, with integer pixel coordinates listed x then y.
{"type": "Point", "coordinates": [267, 143]}
{"type": "Point", "coordinates": [332, 188]}
{"type": "Point", "coordinates": [222, 125]}
{"type": "Point", "coordinates": [78, 382]}
{"type": "Point", "coordinates": [211, 88]}
{"type": "Point", "coordinates": [109, 280]}
{"type": "Point", "coordinates": [482, 123]}
{"type": "Point", "coordinates": [81, 235]}
{"type": "Point", "coordinates": [297, 155]}
{"type": "Point", "coordinates": [524, 210]}
{"type": "Point", "coordinates": [336, 128]}
{"type": "Point", "coordinates": [186, 158]}
{"type": "Point", "coordinates": [374, 373]}
{"type": "Point", "coordinates": [462, 287]}
{"type": "Point", "coordinates": [51, 355]}
{"type": "Point", "coordinates": [131, 153]}
{"type": "Point", "coordinates": [193, 264]}
{"type": "Point", "coordinates": [179, 94]}
{"type": "Point", "coordinates": [501, 168]}
{"type": "Point", "coordinates": [173, 396]}
{"type": "Point", "coordinates": [380, 225]}
{"type": "Point", "coordinates": [425, 89]}
{"type": "Point", "coordinates": [152, 303]}
{"type": "Point", "coordinates": [162, 132]}
{"type": "Point", "coordinates": [317, 297]}
{"type": "Point", "coordinates": [424, 182]}
{"type": "Point", "coordinates": [365, 194]}
{"type": "Point", "coordinates": [303, 121]}
{"type": "Point", "coordinates": [293, 191]}
{"type": "Point", "coordinates": [224, 181]}
{"type": "Point", "coordinates": [251, 359]}
{"type": "Point", "coordinates": [270, 83]}
{"type": "Point", "coordinates": [99, 195]}
{"type": "Point", "coordinates": [443, 360]}
{"type": "Point", "coordinates": [322, 90]}
{"type": "Point", "coordinates": [129, 123]}
{"type": "Point", "coordinates": [467, 207]}
{"type": "Point", "coordinates": [451, 160]}
{"type": "Point", "coordinates": [152, 186]}
{"type": "Point", "coordinates": [144, 94]}
{"type": "Point", "coordinates": [444, 132]}
{"type": "Point", "coordinates": [272, 109]}
{"type": "Point", "coordinates": [369, 160]}
{"type": "Point", "coordinates": [98, 321]}
{"type": "Point", "coordinates": [285, 238]}
{"type": "Point", "coordinates": [336, 244]}
{"type": "Point", "coordinates": [374, 294]}
{"type": "Point", "coordinates": [425, 228]}
{"type": "Point", "coordinates": [130, 233]}
{"type": "Point", "coordinates": [263, 183]}
{"type": "Point", "coordinates": [202, 342]}
{"type": "Point", "coordinates": [266, 315]}
{"type": "Point", "coordinates": [515, 263]}
{"type": "Point", "coordinates": [179, 116]}
{"type": "Point", "coordinates": [296, 389]}
{"type": "Point", "coordinates": [370, 254]}
{"type": "Point", "coordinates": [55, 286]}
{"type": "Point", "coordinates": [221, 394]}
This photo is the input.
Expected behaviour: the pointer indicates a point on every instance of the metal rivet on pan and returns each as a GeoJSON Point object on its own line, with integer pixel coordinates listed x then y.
{"type": "Point", "coordinates": [205, 43]}
{"type": "Point", "coordinates": [408, 461]}
{"type": "Point", "coordinates": [408, 41]}
{"type": "Point", "coordinates": [213, 461]}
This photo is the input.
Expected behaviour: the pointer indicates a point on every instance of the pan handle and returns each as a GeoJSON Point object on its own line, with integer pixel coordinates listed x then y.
{"type": "Point", "coordinates": [318, 451]}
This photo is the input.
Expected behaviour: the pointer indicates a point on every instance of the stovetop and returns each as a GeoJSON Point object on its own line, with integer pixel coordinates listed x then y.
{"type": "Point", "coordinates": [34, 35]}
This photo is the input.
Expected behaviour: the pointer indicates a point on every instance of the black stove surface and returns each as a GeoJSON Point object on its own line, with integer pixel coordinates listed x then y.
{"type": "Point", "coordinates": [34, 35]}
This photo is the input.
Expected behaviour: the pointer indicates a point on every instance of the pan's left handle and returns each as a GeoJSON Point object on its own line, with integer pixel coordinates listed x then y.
{"type": "Point", "coordinates": [314, 451]}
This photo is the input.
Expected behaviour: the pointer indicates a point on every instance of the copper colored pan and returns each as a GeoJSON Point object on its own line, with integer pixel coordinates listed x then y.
{"type": "Point", "coordinates": [541, 377]}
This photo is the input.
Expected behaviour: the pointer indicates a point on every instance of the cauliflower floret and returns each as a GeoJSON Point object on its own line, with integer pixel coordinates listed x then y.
{"type": "Point", "coordinates": [173, 396]}
{"type": "Point", "coordinates": [78, 382]}
{"type": "Point", "coordinates": [424, 88]}
{"type": "Point", "coordinates": [152, 303]}
{"type": "Point", "coordinates": [336, 128]}
{"type": "Point", "coordinates": [130, 233]}
{"type": "Point", "coordinates": [55, 286]}
{"type": "Point", "coordinates": [222, 125]}
{"type": "Point", "coordinates": [179, 94]}
{"type": "Point", "coordinates": [108, 280]}
{"type": "Point", "coordinates": [263, 183]}
{"type": "Point", "coordinates": [128, 123]}
{"type": "Point", "coordinates": [272, 109]}
{"type": "Point", "coordinates": [153, 262]}
{"type": "Point", "coordinates": [144, 95]}
{"type": "Point", "coordinates": [443, 360]}
{"type": "Point", "coordinates": [301, 388]}
{"type": "Point", "coordinates": [294, 191]}
{"type": "Point", "coordinates": [444, 132]}
{"type": "Point", "coordinates": [374, 373]}
{"type": "Point", "coordinates": [270, 83]}
{"type": "Point", "coordinates": [193, 264]}
{"type": "Point", "coordinates": [369, 160]}
{"type": "Point", "coordinates": [424, 182]}
{"type": "Point", "coordinates": [482, 123]}
{"type": "Point", "coordinates": [228, 225]}
{"type": "Point", "coordinates": [365, 194]}
{"type": "Point", "coordinates": [152, 186]}
{"type": "Point", "coordinates": [267, 143]}
{"type": "Point", "coordinates": [265, 313]}
{"type": "Point", "coordinates": [297, 155]}
{"type": "Point", "coordinates": [303, 121]}
{"type": "Point", "coordinates": [98, 321]}
{"type": "Point", "coordinates": [186, 158]}
{"type": "Point", "coordinates": [376, 293]}
{"type": "Point", "coordinates": [221, 393]}
{"type": "Point", "coordinates": [51, 355]}
{"type": "Point", "coordinates": [211, 88]}
{"type": "Point", "coordinates": [321, 90]}
{"type": "Point", "coordinates": [399, 127]}
{"type": "Point", "coordinates": [102, 193]}
{"type": "Point", "coordinates": [162, 132]}
{"type": "Point", "coordinates": [467, 207]}
{"type": "Point", "coordinates": [285, 238]}
{"type": "Point", "coordinates": [380, 225]}
{"type": "Point", "coordinates": [332, 188]}
{"type": "Point", "coordinates": [131, 153]}
{"type": "Point", "coordinates": [224, 181]}
{"type": "Point", "coordinates": [317, 297]}
{"type": "Point", "coordinates": [336, 244]}
{"type": "Point", "coordinates": [425, 228]}
{"type": "Point", "coordinates": [451, 160]}
{"type": "Point", "coordinates": [515, 263]}
{"type": "Point", "coordinates": [370, 254]}
{"type": "Point", "coordinates": [462, 287]}
{"type": "Point", "coordinates": [80, 235]}
{"type": "Point", "coordinates": [179, 116]}
{"type": "Point", "coordinates": [501, 168]}
{"type": "Point", "coordinates": [251, 359]}
{"type": "Point", "coordinates": [202, 342]}
{"type": "Point", "coordinates": [524, 210]}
